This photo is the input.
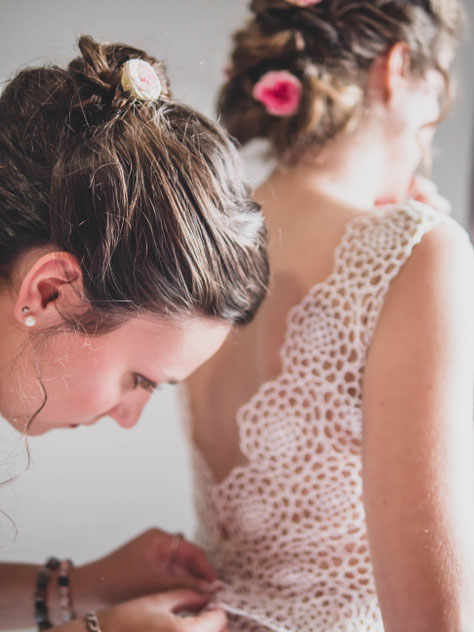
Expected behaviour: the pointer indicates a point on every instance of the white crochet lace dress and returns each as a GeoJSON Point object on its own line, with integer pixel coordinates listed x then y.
{"type": "Point", "coordinates": [287, 531]}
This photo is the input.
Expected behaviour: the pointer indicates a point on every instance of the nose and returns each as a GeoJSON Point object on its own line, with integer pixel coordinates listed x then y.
{"type": "Point", "coordinates": [130, 408]}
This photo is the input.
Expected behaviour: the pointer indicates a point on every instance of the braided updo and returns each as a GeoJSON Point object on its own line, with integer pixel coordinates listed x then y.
{"type": "Point", "coordinates": [329, 46]}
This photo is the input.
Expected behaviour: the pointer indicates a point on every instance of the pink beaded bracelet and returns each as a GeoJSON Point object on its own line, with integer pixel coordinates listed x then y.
{"type": "Point", "coordinates": [64, 591]}
{"type": "Point", "coordinates": [41, 593]}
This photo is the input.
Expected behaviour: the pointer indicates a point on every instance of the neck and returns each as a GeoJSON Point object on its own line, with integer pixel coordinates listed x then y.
{"type": "Point", "coordinates": [352, 170]}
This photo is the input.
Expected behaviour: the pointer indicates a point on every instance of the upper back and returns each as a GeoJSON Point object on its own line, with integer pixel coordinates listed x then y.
{"type": "Point", "coordinates": [328, 284]}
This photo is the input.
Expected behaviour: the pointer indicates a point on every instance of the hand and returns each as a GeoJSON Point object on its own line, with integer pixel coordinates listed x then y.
{"type": "Point", "coordinates": [153, 562]}
{"type": "Point", "coordinates": [157, 613]}
{"type": "Point", "coordinates": [424, 190]}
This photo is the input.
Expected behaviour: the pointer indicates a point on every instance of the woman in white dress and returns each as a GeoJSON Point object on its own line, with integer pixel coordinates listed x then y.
{"type": "Point", "coordinates": [333, 437]}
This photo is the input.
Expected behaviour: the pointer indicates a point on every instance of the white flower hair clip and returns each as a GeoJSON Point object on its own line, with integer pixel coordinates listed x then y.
{"type": "Point", "coordinates": [140, 80]}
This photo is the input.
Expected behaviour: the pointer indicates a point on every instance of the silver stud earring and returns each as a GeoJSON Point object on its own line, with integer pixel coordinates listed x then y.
{"type": "Point", "coordinates": [30, 321]}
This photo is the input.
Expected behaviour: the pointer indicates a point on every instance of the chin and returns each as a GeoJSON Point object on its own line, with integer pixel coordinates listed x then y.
{"type": "Point", "coordinates": [37, 429]}
{"type": "Point", "coordinates": [38, 426]}
{"type": "Point", "coordinates": [19, 424]}
{"type": "Point", "coordinates": [43, 426]}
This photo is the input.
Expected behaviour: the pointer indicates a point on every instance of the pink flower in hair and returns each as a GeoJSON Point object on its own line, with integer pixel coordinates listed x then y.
{"type": "Point", "coordinates": [304, 3]}
{"type": "Point", "coordinates": [140, 80]}
{"type": "Point", "coordinates": [279, 91]}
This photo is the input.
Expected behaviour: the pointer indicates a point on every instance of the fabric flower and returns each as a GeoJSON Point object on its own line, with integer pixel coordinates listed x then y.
{"type": "Point", "coordinates": [279, 91]}
{"type": "Point", "coordinates": [140, 80]}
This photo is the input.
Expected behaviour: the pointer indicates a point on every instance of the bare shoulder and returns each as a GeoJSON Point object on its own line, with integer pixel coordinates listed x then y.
{"type": "Point", "coordinates": [434, 286]}
{"type": "Point", "coordinates": [424, 337]}
{"type": "Point", "coordinates": [444, 252]}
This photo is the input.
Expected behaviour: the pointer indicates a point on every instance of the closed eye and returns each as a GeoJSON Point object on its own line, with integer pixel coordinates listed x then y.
{"type": "Point", "coordinates": [145, 383]}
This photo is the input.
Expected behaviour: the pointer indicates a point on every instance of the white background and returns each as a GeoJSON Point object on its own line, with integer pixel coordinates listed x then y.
{"type": "Point", "coordinates": [91, 489]}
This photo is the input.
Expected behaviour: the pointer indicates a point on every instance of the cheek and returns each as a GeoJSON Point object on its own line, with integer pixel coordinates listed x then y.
{"type": "Point", "coordinates": [425, 111]}
{"type": "Point", "coordinates": [80, 397]}
{"type": "Point", "coordinates": [82, 382]}
{"type": "Point", "coordinates": [416, 134]}
{"type": "Point", "coordinates": [79, 380]}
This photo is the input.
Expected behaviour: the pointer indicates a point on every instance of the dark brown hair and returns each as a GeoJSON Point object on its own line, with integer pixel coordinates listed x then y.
{"type": "Point", "coordinates": [329, 46]}
{"type": "Point", "coordinates": [148, 196]}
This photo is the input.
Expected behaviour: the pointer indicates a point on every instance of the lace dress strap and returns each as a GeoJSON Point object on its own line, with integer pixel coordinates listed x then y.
{"type": "Point", "coordinates": [375, 249]}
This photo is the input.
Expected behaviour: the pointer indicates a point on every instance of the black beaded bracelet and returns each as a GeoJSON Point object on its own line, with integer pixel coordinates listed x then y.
{"type": "Point", "coordinates": [41, 593]}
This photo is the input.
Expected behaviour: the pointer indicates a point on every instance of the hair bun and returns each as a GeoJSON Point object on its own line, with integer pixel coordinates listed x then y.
{"type": "Point", "coordinates": [98, 74]}
{"type": "Point", "coordinates": [273, 16]}
{"type": "Point", "coordinates": [329, 46]}
{"type": "Point", "coordinates": [309, 21]}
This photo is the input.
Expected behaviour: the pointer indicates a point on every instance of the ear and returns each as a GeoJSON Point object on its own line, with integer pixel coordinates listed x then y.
{"type": "Point", "coordinates": [397, 69]}
{"type": "Point", "coordinates": [51, 287]}
{"type": "Point", "coordinates": [388, 74]}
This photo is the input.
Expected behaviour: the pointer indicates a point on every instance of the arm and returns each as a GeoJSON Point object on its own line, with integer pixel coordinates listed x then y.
{"type": "Point", "coordinates": [17, 587]}
{"type": "Point", "coordinates": [148, 564]}
{"type": "Point", "coordinates": [17, 583]}
{"type": "Point", "coordinates": [155, 613]}
{"type": "Point", "coordinates": [418, 445]}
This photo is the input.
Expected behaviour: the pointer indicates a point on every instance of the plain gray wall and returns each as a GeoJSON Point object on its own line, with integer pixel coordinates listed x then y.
{"type": "Point", "coordinates": [91, 489]}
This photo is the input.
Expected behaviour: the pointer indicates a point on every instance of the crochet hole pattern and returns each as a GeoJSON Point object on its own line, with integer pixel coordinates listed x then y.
{"type": "Point", "coordinates": [287, 531]}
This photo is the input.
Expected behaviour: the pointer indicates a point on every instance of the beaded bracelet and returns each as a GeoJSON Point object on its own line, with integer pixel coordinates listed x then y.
{"type": "Point", "coordinates": [41, 596]}
{"type": "Point", "coordinates": [64, 590]}
{"type": "Point", "coordinates": [92, 622]}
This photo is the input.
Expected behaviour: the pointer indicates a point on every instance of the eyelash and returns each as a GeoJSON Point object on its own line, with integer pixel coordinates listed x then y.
{"type": "Point", "coordinates": [142, 382]}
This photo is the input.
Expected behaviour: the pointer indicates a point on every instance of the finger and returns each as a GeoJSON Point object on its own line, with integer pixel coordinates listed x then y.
{"type": "Point", "coordinates": [182, 579]}
{"type": "Point", "coordinates": [437, 202]}
{"type": "Point", "coordinates": [440, 203]}
{"type": "Point", "coordinates": [446, 207]}
{"type": "Point", "coordinates": [385, 201]}
{"type": "Point", "coordinates": [192, 559]}
{"type": "Point", "coordinates": [211, 621]}
{"type": "Point", "coordinates": [179, 600]}
{"type": "Point", "coordinates": [422, 183]}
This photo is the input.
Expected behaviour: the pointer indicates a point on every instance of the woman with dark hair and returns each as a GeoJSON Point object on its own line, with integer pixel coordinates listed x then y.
{"type": "Point", "coordinates": [333, 437]}
{"type": "Point", "coordinates": [129, 248]}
